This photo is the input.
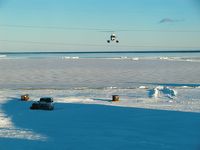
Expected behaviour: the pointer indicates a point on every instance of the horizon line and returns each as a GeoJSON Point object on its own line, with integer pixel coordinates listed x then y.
{"type": "Point", "coordinates": [88, 52]}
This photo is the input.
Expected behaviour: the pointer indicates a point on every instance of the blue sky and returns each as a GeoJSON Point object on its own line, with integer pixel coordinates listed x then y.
{"type": "Point", "coordinates": [80, 25]}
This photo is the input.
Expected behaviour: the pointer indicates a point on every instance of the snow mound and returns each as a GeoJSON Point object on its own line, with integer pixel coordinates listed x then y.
{"type": "Point", "coordinates": [143, 87]}
{"type": "Point", "coordinates": [154, 92]}
{"type": "Point", "coordinates": [162, 91]}
{"type": "Point", "coordinates": [135, 58]}
{"type": "Point", "coordinates": [169, 91]}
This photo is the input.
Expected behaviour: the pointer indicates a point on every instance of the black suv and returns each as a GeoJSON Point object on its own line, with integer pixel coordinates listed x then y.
{"type": "Point", "coordinates": [45, 103]}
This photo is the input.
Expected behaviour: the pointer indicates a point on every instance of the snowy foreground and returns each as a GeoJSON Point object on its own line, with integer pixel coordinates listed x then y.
{"type": "Point", "coordinates": [83, 121]}
{"type": "Point", "coordinates": [159, 107]}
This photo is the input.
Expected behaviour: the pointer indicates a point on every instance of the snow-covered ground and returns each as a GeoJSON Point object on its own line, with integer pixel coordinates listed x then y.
{"type": "Point", "coordinates": [159, 105]}
{"type": "Point", "coordinates": [92, 122]}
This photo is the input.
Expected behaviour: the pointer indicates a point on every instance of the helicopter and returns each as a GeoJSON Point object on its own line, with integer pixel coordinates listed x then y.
{"type": "Point", "coordinates": [113, 38]}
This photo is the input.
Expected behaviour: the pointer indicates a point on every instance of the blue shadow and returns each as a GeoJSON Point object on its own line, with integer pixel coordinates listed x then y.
{"type": "Point", "coordinates": [99, 127]}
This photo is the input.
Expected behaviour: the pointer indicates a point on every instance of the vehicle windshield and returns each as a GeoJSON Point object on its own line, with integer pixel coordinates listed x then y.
{"type": "Point", "coordinates": [49, 100]}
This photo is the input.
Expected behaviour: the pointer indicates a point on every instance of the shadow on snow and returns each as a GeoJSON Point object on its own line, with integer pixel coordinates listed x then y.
{"type": "Point", "coordinates": [87, 126]}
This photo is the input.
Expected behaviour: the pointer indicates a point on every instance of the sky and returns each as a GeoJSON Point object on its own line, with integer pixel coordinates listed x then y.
{"type": "Point", "coordinates": [86, 25]}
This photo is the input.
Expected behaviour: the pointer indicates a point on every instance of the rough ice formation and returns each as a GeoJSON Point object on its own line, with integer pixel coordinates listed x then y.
{"type": "Point", "coordinates": [160, 90]}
